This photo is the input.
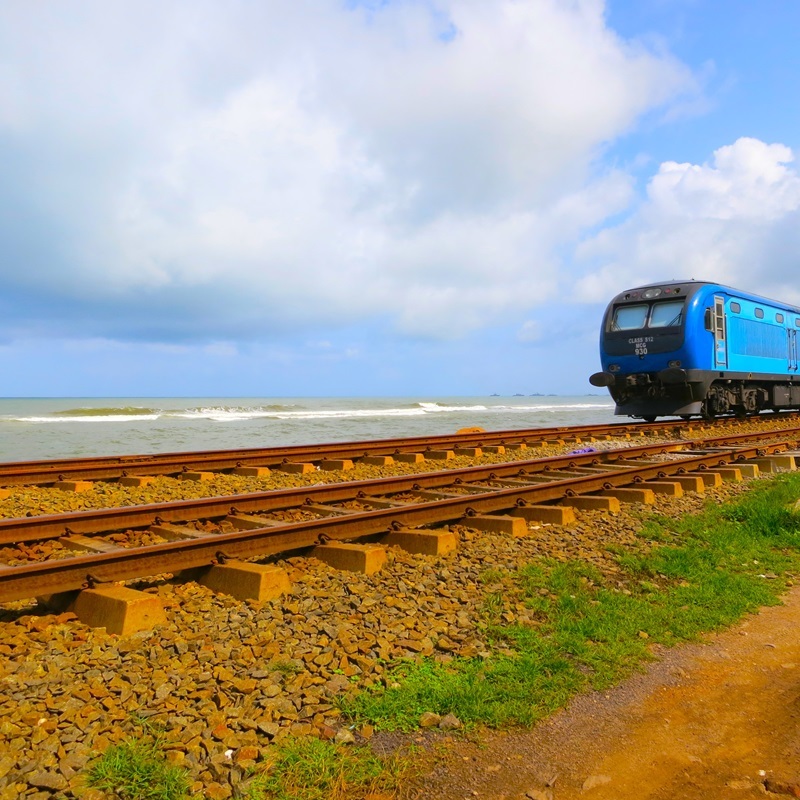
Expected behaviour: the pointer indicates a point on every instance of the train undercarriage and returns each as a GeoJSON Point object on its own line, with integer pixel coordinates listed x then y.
{"type": "Point", "coordinates": [699, 393]}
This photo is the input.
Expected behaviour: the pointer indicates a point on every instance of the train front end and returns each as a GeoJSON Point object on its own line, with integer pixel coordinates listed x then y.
{"type": "Point", "coordinates": [649, 351]}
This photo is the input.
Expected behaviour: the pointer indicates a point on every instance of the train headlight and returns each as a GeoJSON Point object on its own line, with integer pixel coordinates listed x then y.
{"type": "Point", "coordinates": [649, 294]}
{"type": "Point", "coordinates": [613, 367]}
{"type": "Point", "coordinates": [675, 363]}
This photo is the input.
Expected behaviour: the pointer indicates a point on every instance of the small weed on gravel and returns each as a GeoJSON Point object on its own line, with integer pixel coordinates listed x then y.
{"type": "Point", "coordinates": [316, 770]}
{"type": "Point", "coordinates": [137, 770]}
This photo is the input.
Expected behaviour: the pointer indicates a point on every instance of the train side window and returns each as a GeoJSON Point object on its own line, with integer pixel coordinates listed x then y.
{"type": "Point", "coordinates": [666, 315]}
{"type": "Point", "coordinates": [797, 322]}
{"type": "Point", "coordinates": [779, 318]}
{"type": "Point", "coordinates": [629, 318]}
{"type": "Point", "coordinates": [736, 308]}
{"type": "Point", "coordinates": [759, 312]}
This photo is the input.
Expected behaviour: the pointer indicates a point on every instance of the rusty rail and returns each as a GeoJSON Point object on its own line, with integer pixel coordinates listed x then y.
{"type": "Point", "coordinates": [74, 573]}
{"type": "Point", "coordinates": [115, 467]}
{"type": "Point", "coordinates": [51, 526]}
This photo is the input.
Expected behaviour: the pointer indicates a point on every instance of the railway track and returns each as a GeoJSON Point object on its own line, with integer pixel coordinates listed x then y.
{"type": "Point", "coordinates": [227, 678]}
{"type": "Point", "coordinates": [250, 461]}
{"type": "Point", "coordinates": [83, 549]}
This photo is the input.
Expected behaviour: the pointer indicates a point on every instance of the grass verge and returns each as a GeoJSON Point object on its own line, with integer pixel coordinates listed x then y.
{"type": "Point", "coordinates": [589, 630]}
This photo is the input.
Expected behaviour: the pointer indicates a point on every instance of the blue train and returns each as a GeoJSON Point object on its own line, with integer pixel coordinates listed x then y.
{"type": "Point", "coordinates": [692, 348]}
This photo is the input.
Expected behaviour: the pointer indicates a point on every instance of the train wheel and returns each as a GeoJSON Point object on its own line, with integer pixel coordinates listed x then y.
{"type": "Point", "coordinates": [686, 417]}
{"type": "Point", "coordinates": [706, 410]}
{"type": "Point", "coordinates": [649, 418]}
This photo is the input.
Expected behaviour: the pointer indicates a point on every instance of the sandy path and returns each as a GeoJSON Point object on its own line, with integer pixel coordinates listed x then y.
{"type": "Point", "coordinates": [706, 721]}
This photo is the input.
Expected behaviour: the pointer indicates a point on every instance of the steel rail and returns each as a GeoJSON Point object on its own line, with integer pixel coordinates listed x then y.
{"type": "Point", "coordinates": [111, 467]}
{"type": "Point", "coordinates": [62, 575]}
{"type": "Point", "coordinates": [114, 467]}
{"type": "Point", "coordinates": [51, 526]}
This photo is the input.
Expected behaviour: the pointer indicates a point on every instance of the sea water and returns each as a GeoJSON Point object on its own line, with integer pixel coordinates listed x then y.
{"type": "Point", "coordinates": [40, 428]}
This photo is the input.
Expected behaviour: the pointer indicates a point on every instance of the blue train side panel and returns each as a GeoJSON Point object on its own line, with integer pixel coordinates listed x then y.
{"type": "Point", "coordinates": [687, 348]}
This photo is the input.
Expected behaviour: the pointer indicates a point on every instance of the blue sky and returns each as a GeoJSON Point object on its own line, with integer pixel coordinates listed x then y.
{"type": "Point", "coordinates": [412, 197]}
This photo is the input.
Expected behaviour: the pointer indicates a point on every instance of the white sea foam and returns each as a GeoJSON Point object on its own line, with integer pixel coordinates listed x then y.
{"type": "Point", "coordinates": [431, 408]}
{"type": "Point", "coordinates": [239, 414]}
{"type": "Point", "coordinates": [45, 427]}
{"type": "Point", "coordinates": [543, 407]}
{"type": "Point", "coordinates": [278, 412]}
{"type": "Point", "coordinates": [98, 418]}
{"type": "Point", "coordinates": [438, 408]}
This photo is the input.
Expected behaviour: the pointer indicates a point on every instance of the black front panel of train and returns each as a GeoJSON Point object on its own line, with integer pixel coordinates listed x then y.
{"type": "Point", "coordinates": [628, 343]}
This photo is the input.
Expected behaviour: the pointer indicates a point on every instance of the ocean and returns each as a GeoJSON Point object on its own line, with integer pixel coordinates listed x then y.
{"type": "Point", "coordinates": [40, 428]}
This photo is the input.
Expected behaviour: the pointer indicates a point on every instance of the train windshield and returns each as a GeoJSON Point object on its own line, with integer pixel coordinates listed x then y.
{"type": "Point", "coordinates": [629, 318]}
{"type": "Point", "coordinates": [667, 314]}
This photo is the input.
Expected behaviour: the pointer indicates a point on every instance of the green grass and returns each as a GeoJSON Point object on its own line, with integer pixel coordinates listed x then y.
{"type": "Point", "coordinates": [312, 769]}
{"type": "Point", "coordinates": [689, 576]}
{"type": "Point", "coordinates": [137, 770]}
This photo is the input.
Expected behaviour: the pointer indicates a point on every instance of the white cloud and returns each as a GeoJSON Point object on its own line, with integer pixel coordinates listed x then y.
{"type": "Point", "coordinates": [224, 170]}
{"type": "Point", "coordinates": [747, 180]}
{"type": "Point", "coordinates": [735, 220]}
{"type": "Point", "coordinates": [530, 331]}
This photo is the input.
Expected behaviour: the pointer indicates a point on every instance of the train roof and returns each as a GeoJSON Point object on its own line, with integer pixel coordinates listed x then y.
{"type": "Point", "coordinates": [666, 288]}
{"type": "Point", "coordinates": [689, 288]}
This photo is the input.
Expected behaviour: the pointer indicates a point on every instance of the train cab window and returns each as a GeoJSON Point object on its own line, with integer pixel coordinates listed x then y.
{"type": "Point", "coordinates": [779, 318]}
{"type": "Point", "coordinates": [666, 315]}
{"type": "Point", "coordinates": [629, 318]}
{"type": "Point", "coordinates": [759, 312]}
{"type": "Point", "coordinates": [736, 308]}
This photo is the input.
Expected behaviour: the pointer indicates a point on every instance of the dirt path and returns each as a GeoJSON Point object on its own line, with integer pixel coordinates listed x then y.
{"type": "Point", "coordinates": [714, 720]}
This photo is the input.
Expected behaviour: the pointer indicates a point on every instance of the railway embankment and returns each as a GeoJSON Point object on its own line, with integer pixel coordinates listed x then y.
{"type": "Point", "coordinates": [228, 681]}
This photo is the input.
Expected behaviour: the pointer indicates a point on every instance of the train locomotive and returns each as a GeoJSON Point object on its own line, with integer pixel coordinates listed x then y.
{"type": "Point", "coordinates": [692, 348]}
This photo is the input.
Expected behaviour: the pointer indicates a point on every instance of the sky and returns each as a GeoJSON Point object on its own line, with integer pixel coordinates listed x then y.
{"type": "Point", "coordinates": [377, 197]}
